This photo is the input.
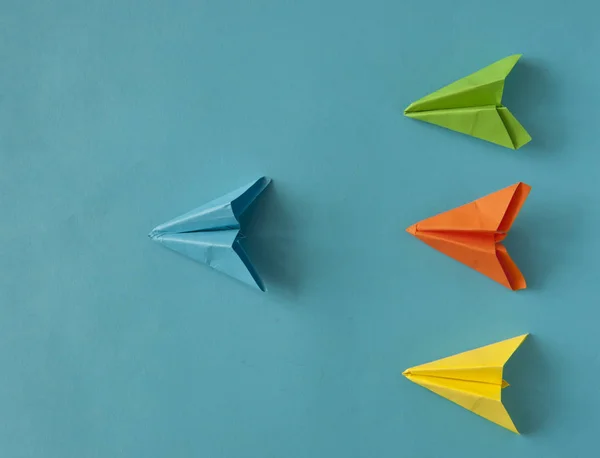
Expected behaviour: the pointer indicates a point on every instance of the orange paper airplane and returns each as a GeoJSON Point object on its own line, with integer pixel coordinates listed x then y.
{"type": "Point", "coordinates": [472, 234]}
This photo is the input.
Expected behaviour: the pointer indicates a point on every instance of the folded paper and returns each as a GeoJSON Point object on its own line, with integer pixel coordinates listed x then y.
{"type": "Point", "coordinates": [472, 379]}
{"type": "Point", "coordinates": [210, 234]}
{"type": "Point", "coordinates": [472, 234]}
{"type": "Point", "coordinates": [473, 106]}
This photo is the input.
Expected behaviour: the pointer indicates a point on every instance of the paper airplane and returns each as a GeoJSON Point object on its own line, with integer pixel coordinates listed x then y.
{"type": "Point", "coordinates": [210, 234]}
{"type": "Point", "coordinates": [473, 106]}
{"type": "Point", "coordinates": [472, 379]}
{"type": "Point", "coordinates": [472, 234]}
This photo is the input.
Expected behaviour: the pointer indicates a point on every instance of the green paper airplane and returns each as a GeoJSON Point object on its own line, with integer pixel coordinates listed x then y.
{"type": "Point", "coordinates": [473, 106]}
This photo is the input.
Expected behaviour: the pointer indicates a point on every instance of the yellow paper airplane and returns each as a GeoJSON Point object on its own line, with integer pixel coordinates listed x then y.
{"type": "Point", "coordinates": [472, 379]}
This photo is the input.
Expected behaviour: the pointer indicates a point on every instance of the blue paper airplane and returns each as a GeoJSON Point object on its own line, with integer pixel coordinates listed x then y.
{"type": "Point", "coordinates": [211, 233]}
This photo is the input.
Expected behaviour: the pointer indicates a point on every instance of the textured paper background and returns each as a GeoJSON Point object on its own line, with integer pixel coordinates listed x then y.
{"type": "Point", "coordinates": [117, 115]}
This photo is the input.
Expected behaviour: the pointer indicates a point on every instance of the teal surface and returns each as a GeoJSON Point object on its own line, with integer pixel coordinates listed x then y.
{"type": "Point", "coordinates": [117, 115]}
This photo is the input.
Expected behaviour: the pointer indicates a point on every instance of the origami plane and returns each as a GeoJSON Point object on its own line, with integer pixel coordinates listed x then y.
{"type": "Point", "coordinates": [472, 234]}
{"type": "Point", "coordinates": [472, 379]}
{"type": "Point", "coordinates": [210, 234]}
{"type": "Point", "coordinates": [473, 106]}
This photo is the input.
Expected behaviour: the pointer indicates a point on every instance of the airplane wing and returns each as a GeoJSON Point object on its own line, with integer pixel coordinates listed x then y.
{"type": "Point", "coordinates": [483, 364]}
{"type": "Point", "coordinates": [492, 213]}
{"type": "Point", "coordinates": [482, 88]}
{"type": "Point", "coordinates": [480, 398]}
{"type": "Point", "coordinates": [221, 213]}
{"type": "Point", "coordinates": [220, 250]}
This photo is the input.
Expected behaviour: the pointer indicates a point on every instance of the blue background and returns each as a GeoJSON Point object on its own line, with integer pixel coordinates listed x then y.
{"type": "Point", "coordinates": [117, 115]}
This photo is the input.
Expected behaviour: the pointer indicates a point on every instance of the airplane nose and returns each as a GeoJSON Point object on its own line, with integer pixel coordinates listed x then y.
{"type": "Point", "coordinates": [412, 229]}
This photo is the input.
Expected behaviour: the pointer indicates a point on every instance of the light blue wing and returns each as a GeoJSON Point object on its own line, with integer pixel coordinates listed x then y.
{"type": "Point", "coordinates": [220, 250]}
{"type": "Point", "coordinates": [221, 213]}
